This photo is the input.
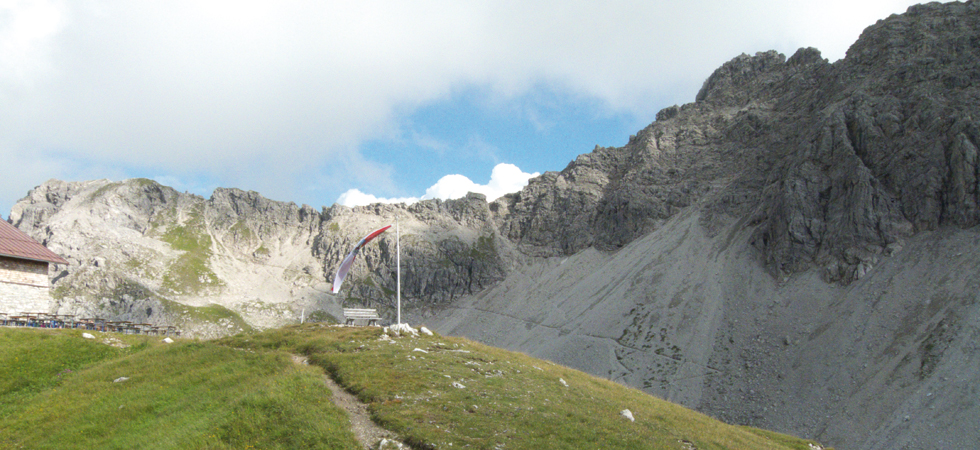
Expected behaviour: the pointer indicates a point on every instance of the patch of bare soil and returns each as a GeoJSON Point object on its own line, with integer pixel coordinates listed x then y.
{"type": "Point", "coordinates": [368, 433]}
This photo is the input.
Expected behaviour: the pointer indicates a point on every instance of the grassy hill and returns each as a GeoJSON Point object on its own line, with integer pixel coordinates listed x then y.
{"type": "Point", "coordinates": [59, 390]}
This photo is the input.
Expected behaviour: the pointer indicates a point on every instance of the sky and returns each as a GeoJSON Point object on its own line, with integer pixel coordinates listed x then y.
{"type": "Point", "coordinates": [318, 102]}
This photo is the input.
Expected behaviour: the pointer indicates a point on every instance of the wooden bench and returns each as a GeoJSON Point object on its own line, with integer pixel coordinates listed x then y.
{"type": "Point", "coordinates": [352, 314]}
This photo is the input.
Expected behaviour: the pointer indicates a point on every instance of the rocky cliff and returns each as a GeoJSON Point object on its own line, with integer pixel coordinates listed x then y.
{"type": "Point", "coordinates": [833, 164]}
{"type": "Point", "coordinates": [797, 249]}
{"type": "Point", "coordinates": [141, 251]}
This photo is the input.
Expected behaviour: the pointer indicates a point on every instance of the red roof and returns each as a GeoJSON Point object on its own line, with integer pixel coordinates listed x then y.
{"type": "Point", "coordinates": [14, 243]}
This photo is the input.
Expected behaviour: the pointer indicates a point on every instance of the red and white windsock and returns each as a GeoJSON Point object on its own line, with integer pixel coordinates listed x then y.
{"type": "Point", "coordinates": [349, 260]}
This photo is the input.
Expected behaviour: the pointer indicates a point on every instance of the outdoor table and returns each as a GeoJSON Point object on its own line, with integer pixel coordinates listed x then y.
{"type": "Point", "coordinates": [65, 320]}
{"type": "Point", "coordinates": [27, 318]}
{"type": "Point", "coordinates": [46, 320]}
{"type": "Point", "coordinates": [35, 319]}
{"type": "Point", "coordinates": [119, 326]}
{"type": "Point", "coordinates": [96, 323]}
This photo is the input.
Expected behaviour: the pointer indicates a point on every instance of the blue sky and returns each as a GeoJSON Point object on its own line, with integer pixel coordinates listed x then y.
{"type": "Point", "coordinates": [305, 101]}
{"type": "Point", "coordinates": [470, 134]}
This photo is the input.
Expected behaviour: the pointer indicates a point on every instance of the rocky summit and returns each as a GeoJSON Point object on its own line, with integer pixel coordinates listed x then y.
{"type": "Point", "coordinates": [798, 249]}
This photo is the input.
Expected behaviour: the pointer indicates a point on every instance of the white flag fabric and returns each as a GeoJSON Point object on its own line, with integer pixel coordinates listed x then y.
{"type": "Point", "coordinates": [349, 260]}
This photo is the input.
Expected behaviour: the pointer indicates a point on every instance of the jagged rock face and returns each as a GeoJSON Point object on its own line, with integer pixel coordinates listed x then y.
{"type": "Point", "coordinates": [715, 151]}
{"type": "Point", "coordinates": [448, 249]}
{"type": "Point", "coordinates": [144, 252]}
{"type": "Point", "coordinates": [839, 162]}
{"type": "Point", "coordinates": [893, 149]}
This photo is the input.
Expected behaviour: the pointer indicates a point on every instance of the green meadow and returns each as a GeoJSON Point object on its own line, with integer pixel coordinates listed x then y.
{"type": "Point", "coordinates": [59, 390]}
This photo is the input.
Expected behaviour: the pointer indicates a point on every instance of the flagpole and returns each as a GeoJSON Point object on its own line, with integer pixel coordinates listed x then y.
{"type": "Point", "coordinates": [398, 258]}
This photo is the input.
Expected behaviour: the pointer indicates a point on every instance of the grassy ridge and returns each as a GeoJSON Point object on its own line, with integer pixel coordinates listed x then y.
{"type": "Point", "coordinates": [178, 396]}
{"type": "Point", "coordinates": [507, 400]}
{"type": "Point", "coordinates": [58, 390]}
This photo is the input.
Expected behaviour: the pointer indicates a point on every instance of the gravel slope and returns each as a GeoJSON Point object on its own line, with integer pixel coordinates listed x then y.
{"type": "Point", "coordinates": [889, 361]}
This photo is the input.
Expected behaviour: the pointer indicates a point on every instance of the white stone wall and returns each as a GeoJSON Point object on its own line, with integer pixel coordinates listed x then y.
{"type": "Point", "coordinates": [24, 286]}
{"type": "Point", "coordinates": [19, 298]}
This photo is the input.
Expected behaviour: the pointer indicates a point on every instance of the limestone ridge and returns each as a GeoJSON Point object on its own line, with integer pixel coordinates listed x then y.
{"type": "Point", "coordinates": [892, 149]}
{"type": "Point", "coordinates": [143, 251]}
{"type": "Point", "coordinates": [449, 249]}
{"type": "Point", "coordinates": [835, 163]}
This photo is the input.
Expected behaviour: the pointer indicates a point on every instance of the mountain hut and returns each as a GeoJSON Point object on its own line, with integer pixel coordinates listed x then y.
{"type": "Point", "coordinates": [24, 265]}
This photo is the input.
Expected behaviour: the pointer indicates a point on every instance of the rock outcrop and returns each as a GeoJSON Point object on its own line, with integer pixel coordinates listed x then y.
{"type": "Point", "coordinates": [839, 163]}
{"type": "Point", "coordinates": [145, 252]}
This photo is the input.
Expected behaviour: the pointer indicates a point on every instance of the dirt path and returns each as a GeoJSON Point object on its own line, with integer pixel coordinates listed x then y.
{"type": "Point", "coordinates": [365, 430]}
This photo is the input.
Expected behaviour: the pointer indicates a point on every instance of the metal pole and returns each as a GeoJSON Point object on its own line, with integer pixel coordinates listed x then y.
{"type": "Point", "coordinates": [398, 258]}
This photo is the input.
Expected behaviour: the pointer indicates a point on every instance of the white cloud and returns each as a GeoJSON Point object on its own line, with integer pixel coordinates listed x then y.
{"type": "Point", "coordinates": [355, 197]}
{"type": "Point", "coordinates": [26, 29]}
{"type": "Point", "coordinates": [451, 186]}
{"type": "Point", "coordinates": [265, 95]}
{"type": "Point", "coordinates": [504, 179]}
